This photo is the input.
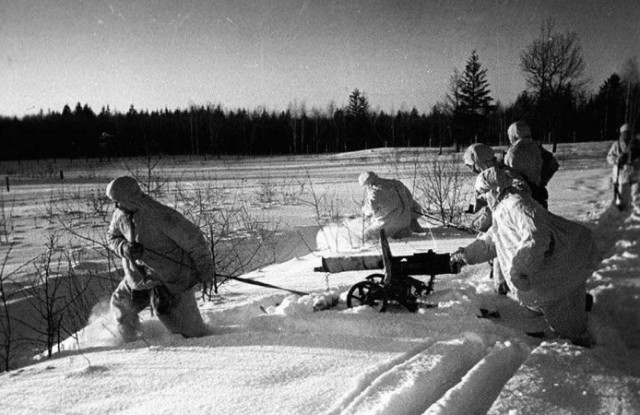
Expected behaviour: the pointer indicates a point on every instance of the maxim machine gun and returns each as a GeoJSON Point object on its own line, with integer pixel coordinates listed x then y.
{"type": "Point", "coordinates": [395, 284]}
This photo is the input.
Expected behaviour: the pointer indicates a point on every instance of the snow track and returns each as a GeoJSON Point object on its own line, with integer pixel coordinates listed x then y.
{"type": "Point", "coordinates": [447, 377]}
{"type": "Point", "coordinates": [479, 388]}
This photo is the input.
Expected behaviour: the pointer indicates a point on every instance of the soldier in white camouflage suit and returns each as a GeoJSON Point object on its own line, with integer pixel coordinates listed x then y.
{"type": "Point", "coordinates": [546, 259]}
{"type": "Point", "coordinates": [624, 157]}
{"type": "Point", "coordinates": [480, 157]}
{"type": "Point", "coordinates": [390, 206]}
{"type": "Point", "coordinates": [163, 255]}
{"type": "Point", "coordinates": [528, 158]}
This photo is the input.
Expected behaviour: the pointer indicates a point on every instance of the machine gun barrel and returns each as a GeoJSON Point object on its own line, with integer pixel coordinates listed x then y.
{"type": "Point", "coordinates": [423, 263]}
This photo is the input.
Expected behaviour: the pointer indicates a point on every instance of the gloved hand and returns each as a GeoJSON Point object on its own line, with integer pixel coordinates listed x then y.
{"type": "Point", "coordinates": [622, 160]}
{"type": "Point", "coordinates": [132, 250]}
{"type": "Point", "coordinates": [457, 261]}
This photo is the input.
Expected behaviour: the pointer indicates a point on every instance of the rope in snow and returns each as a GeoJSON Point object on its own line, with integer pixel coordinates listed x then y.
{"type": "Point", "coordinates": [244, 280]}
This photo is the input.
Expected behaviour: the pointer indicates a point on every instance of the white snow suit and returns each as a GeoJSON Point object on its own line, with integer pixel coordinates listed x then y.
{"type": "Point", "coordinates": [391, 207]}
{"type": "Point", "coordinates": [175, 256]}
{"type": "Point", "coordinates": [525, 157]}
{"type": "Point", "coordinates": [625, 172]}
{"type": "Point", "coordinates": [545, 258]}
{"type": "Point", "coordinates": [481, 157]}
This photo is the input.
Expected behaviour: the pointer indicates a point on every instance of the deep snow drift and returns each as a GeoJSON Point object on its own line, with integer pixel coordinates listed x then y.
{"type": "Point", "coordinates": [270, 352]}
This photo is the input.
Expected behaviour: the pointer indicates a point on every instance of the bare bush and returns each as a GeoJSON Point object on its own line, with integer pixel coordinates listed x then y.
{"type": "Point", "coordinates": [98, 204]}
{"type": "Point", "coordinates": [7, 346]}
{"type": "Point", "coordinates": [329, 209]}
{"type": "Point", "coordinates": [267, 190]}
{"type": "Point", "coordinates": [57, 300]}
{"type": "Point", "coordinates": [146, 173]}
{"type": "Point", "coordinates": [292, 190]}
{"type": "Point", "coordinates": [442, 190]}
{"type": "Point", "coordinates": [7, 224]}
{"type": "Point", "coordinates": [284, 191]}
{"type": "Point", "coordinates": [239, 242]}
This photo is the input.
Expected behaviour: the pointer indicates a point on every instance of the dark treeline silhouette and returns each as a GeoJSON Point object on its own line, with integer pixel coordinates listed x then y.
{"type": "Point", "coordinates": [212, 130]}
{"type": "Point", "coordinates": [556, 104]}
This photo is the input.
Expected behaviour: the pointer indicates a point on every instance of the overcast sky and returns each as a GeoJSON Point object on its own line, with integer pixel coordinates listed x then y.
{"type": "Point", "coordinates": [270, 53]}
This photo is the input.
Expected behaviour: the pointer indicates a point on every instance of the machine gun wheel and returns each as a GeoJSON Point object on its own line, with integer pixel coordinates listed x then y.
{"type": "Point", "coordinates": [376, 278]}
{"type": "Point", "coordinates": [367, 293]}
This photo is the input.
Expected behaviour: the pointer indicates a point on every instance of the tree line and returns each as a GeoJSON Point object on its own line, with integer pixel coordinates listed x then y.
{"type": "Point", "coordinates": [556, 103]}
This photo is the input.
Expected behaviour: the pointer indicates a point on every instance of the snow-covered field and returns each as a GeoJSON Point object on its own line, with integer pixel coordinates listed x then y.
{"type": "Point", "coordinates": [270, 352]}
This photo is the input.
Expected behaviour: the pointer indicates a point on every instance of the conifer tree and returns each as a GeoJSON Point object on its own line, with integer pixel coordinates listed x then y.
{"type": "Point", "coordinates": [473, 101]}
{"type": "Point", "coordinates": [358, 104]}
{"type": "Point", "coordinates": [473, 92]}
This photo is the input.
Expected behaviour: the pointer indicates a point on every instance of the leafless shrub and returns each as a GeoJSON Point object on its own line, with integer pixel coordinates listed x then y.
{"type": "Point", "coordinates": [283, 191]}
{"type": "Point", "coordinates": [57, 300]}
{"type": "Point", "coordinates": [442, 190]}
{"type": "Point", "coordinates": [7, 224]}
{"type": "Point", "coordinates": [98, 204]}
{"type": "Point", "coordinates": [146, 173]}
{"type": "Point", "coordinates": [291, 191]}
{"type": "Point", "coordinates": [329, 209]}
{"type": "Point", "coordinates": [239, 242]}
{"type": "Point", "coordinates": [7, 345]}
{"type": "Point", "coordinates": [267, 190]}
{"type": "Point", "coordinates": [53, 298]}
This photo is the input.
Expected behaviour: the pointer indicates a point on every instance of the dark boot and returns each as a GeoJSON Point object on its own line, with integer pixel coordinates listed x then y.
{"type": "Point", "coordinates": [503, 288]}
{"type": "Point", "coordinates": [588, 306]}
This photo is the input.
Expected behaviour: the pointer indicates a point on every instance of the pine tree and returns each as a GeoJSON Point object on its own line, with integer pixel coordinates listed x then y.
{"type": "Point", "coordinates": [358, 126]}
{"type": "Point", "coordinates": [473, 92]}
{"type": "Point", "coordinates": [358, 104]}
{"type": "Point", "coordinates": [473, 102]}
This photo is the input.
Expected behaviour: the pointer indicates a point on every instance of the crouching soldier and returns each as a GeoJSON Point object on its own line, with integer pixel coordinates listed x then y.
{"type": "Point", "coordinates": [545, 259]}
{"type": "Point", "coordinates": [389, 205]}
{"type": "Point", "coordinates": [480, 157]}
{"type": "Point", "coordinates": [163, 255]}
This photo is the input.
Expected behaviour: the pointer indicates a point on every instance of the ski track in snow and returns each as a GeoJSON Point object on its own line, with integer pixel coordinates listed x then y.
{"type": "Point", "coordinates": [458, 376]}
{"type": "Point", "coordinates": [425, 381]}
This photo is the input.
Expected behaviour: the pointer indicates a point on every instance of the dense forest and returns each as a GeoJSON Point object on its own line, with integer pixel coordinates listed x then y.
{"type": "Point", "coordinates": [557, 104]}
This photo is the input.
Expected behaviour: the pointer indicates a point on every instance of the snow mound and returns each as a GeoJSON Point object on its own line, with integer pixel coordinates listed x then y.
{"type": "Point", "coordinates": [298, 305]}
